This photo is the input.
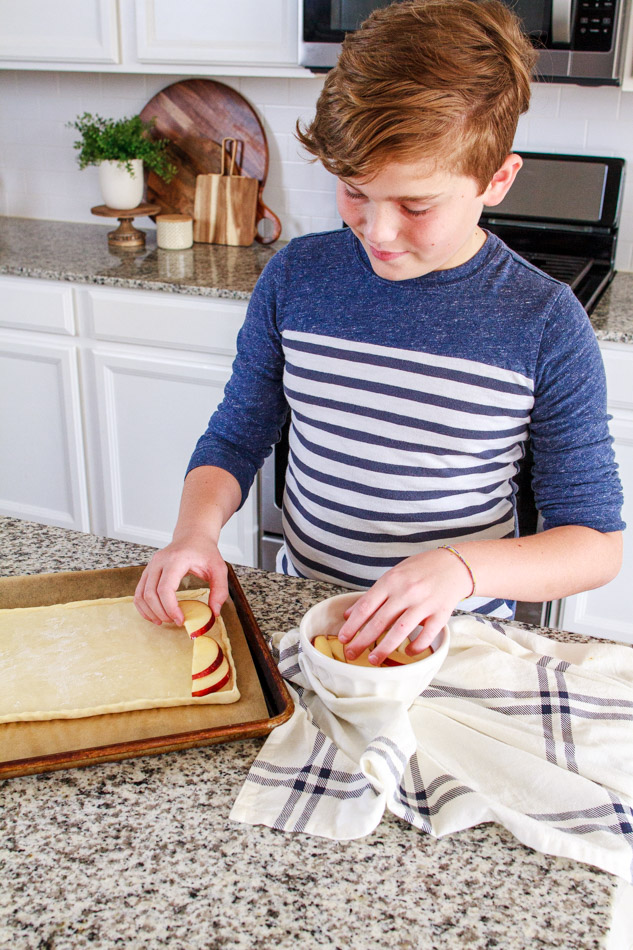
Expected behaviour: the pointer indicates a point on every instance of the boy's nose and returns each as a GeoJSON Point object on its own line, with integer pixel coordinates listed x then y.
{"type": "Point", "coordinates": [381, 225]}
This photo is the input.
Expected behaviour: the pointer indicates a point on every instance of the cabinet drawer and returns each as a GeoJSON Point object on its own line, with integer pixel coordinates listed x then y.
{"type": "Point", "coordinates": [31, 304]}
{"type": "Point", "coordinates": [208, 325]}
{"type": "Point", "coordinates": [618, 363]}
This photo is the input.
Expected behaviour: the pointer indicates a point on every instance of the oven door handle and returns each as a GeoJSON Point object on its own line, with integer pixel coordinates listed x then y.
{"type": "Point", "coordinates": [561, 21]}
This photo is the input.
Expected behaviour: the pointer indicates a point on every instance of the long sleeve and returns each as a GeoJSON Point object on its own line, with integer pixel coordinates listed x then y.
{"type": "Point", "coordinates": [575, 475]}
{"type": "Point", "coordinates": [249, 420]}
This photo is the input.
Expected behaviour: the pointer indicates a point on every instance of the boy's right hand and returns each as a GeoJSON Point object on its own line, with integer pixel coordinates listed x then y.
{"type": "Point", "coordinates": [155, 597]}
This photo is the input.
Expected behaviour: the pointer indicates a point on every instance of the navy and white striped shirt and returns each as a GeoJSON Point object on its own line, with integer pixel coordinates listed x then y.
{"type": "Point", "coordinates": [411, 403]}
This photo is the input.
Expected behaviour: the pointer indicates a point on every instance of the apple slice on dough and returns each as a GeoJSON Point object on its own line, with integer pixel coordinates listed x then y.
{"type": "Point", "coordinates": [198, 617]}
{"type": "Point", "coordinates": [207, 657]}
{"type": "Point", "coordinates": [214, 681]}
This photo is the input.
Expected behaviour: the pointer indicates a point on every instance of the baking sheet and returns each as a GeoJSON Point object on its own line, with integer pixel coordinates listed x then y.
{"type": "Point", "coordinates": [28, 747]}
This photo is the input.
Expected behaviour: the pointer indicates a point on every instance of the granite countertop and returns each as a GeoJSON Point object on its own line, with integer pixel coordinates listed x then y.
{"type": "Point", "coordinates": [59, 250]}
{"type": "Point", "coordinates": [141, 853]}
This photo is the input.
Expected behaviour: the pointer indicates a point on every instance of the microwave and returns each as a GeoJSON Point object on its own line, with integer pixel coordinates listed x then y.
{"type": "Point", "coordinates": [579, 41]}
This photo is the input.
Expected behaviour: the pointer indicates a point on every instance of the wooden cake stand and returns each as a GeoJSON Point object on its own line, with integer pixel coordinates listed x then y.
{"type": "Point", "coordinates": [126, 235]}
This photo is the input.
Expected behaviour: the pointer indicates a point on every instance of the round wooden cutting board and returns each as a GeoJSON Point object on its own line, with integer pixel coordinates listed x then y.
{"type": "Point", "coordinates": [195, 115]}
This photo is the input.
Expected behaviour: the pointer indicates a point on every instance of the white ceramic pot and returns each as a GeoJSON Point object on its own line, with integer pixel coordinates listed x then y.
{"type": "Point", "coordinates": [120, 189]}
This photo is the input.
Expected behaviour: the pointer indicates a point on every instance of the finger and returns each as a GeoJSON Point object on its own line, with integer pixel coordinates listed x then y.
{"type": "Point", "coordinates": [218, 589]}
{"type": "Point", "coordinates": [381, 621]}
{"type": "Point", "coordinates": [359, 614]}
{"type": "Point", "coordinates": [153, 598]}
{"type": "Point", "coordinates": [166, 588]}
{"type": "Point", "coordinates": [430, 629]}
{"type": "Point", "coordinates": [140, 602]}
{"type": "Point", "coordinates": [397, 634]}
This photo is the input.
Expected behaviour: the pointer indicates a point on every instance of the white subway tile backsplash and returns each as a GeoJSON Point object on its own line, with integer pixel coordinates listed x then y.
{"type": "Point", "coordinates": [271, 91]}
{"type": "Point", "coordinates": [326, 224]}
{"type": "Point", "coordinates": [625, 111]}
{"type": "Point", "coordinates": [284, 118]}
{"type": "Point", "coordinates": [16, 103]}
{"type": "Point", "coordinates": [545, 100]}
{"type": "Point", "coordinates": [608, 138]}
{"type": "Point", "coordinates": [29, 205]}
{"type": "Point", "coordinates": [12, 179]}
{"type": "Point", "coordinates": [126, 86]}
{"type": "Point", "coordinates": [305, 92]}
{"type": "Point", "coordinates": [597, 102]}
{"type": "Point", "coordinates": [154, 84]}
{"type": "Point", "coordinates": [521, 137]}
{"type": "Point", "coordinates": [305, 176]}
{"type": "Point", "coordinates": [558, 134]}
{"type": "Point", "coordinates": [311, 203]}
{"type": "Point", "coordinates": [9, 101]}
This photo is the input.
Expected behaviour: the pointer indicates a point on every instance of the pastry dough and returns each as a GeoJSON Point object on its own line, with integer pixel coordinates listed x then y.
{"type": "Point", "coordinates": [94, 657]}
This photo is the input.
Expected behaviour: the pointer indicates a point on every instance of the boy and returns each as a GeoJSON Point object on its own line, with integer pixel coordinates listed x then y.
{"type": "Point", "coordinates": [417, 354]}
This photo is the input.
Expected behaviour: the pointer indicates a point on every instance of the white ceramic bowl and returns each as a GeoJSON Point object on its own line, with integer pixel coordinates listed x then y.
{"type": "Point", "coordinates": [402, 683]}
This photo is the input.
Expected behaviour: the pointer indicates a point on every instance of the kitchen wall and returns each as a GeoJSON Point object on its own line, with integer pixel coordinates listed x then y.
{"type": "Point", "coordinates": [39, 177]}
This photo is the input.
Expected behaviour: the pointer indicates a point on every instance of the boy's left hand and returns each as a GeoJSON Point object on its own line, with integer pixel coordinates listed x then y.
{"type": "Point", "coordinates": [421, 590]}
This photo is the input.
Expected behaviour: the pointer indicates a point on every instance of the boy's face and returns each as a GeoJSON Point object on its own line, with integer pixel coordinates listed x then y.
{"type": "Point", "coordinates": [412, 220]}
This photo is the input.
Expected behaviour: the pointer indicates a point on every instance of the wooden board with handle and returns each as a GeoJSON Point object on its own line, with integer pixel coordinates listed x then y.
{"type": "Point", "coordinates": [225, 206]}
{"type": "Point", "coordinates": [195, 115]}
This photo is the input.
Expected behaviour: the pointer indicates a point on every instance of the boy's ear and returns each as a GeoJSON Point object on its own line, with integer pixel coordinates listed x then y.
{"type": "Point", "coordinates": [502, 180]}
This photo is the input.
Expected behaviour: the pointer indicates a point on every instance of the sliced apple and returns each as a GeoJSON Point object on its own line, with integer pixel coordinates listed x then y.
{"type": "Point", "coordinates": [198, 617]}
{"type": "Point", "coordinates": [207, 656]}
{"type": "Point", "coordinates": [337, 649]}
{"type": "Point", "coordinates": [214, 681]}
{"type": "Point", "coordinates": [331, 646]}
{"type": "Point", "coordinates": [400, 657]}
{"type": "Point", "coordinates": [321, 644]}
{"type": "Point", "coordinates": [363, 659]}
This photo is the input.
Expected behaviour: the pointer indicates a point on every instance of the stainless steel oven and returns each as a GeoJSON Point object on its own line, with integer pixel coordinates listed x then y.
{"type": "Point", "coordinates": [271, 484]}
{"type": "Point", "coordinates": [580, 41]}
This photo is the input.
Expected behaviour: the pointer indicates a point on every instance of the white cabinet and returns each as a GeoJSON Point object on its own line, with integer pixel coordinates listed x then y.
{"type": "Point", "coordinates": [196, 31]}
{"type": "Point", "coordinates": [608, 611]}
{"type": "Point", "coordinates": [72, 31]}
{"type": "Point", "coordinates": [42, 470]}
{"type": "Point", "coordinates": [197, 37]}
{"type": "Point", "coordinates": [149, 415]}
{"type": "Point", "coordinates": [42, 466]}
{"type": "Point", "coordinates": [97, 430]}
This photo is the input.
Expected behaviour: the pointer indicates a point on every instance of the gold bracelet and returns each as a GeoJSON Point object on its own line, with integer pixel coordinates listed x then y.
{"type": "Point", "coordinates": [447, 547]}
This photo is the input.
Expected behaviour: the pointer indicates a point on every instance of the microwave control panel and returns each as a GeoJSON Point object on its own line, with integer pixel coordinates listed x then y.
{"type": "Point", "coordinates": [594, 25]}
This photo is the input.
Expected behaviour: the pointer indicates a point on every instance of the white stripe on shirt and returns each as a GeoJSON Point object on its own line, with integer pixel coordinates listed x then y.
{"type": "Point", "coordinates": [393, 452]}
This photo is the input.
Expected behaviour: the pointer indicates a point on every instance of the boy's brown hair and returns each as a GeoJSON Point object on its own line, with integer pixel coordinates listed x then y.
{"type": "Point", "coordinates": [444, 80]}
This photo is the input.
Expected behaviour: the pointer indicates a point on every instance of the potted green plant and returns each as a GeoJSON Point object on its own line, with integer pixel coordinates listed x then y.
{"type": "Point", "coordinates": [121, 147]}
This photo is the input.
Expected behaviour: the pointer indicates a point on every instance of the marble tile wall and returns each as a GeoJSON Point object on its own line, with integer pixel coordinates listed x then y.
{"type": "Point", "coordinates": [39, 177]}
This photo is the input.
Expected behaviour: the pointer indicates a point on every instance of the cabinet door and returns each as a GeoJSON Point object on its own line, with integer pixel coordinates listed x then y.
{"type": "Point", "coordinates": [80, 31]}
{"type": "Point", "coordinates": [150, 412]}
{"type": "Point", "coordinates": [196, 31]}
{"type": "Point", "coordinates": [41, 305]}
{"type": "Point", "coordinates": [42, 462]}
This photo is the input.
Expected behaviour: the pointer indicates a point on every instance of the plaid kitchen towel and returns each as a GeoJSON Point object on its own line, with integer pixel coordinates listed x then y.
{"type": "Point", "coordinates": [516, 728]}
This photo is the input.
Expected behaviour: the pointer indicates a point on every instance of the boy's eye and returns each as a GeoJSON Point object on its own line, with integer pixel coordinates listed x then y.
{"type": "Point", "coordinates": [415, 213]}
{"type": "Point", "coordinates": [353, 194]}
